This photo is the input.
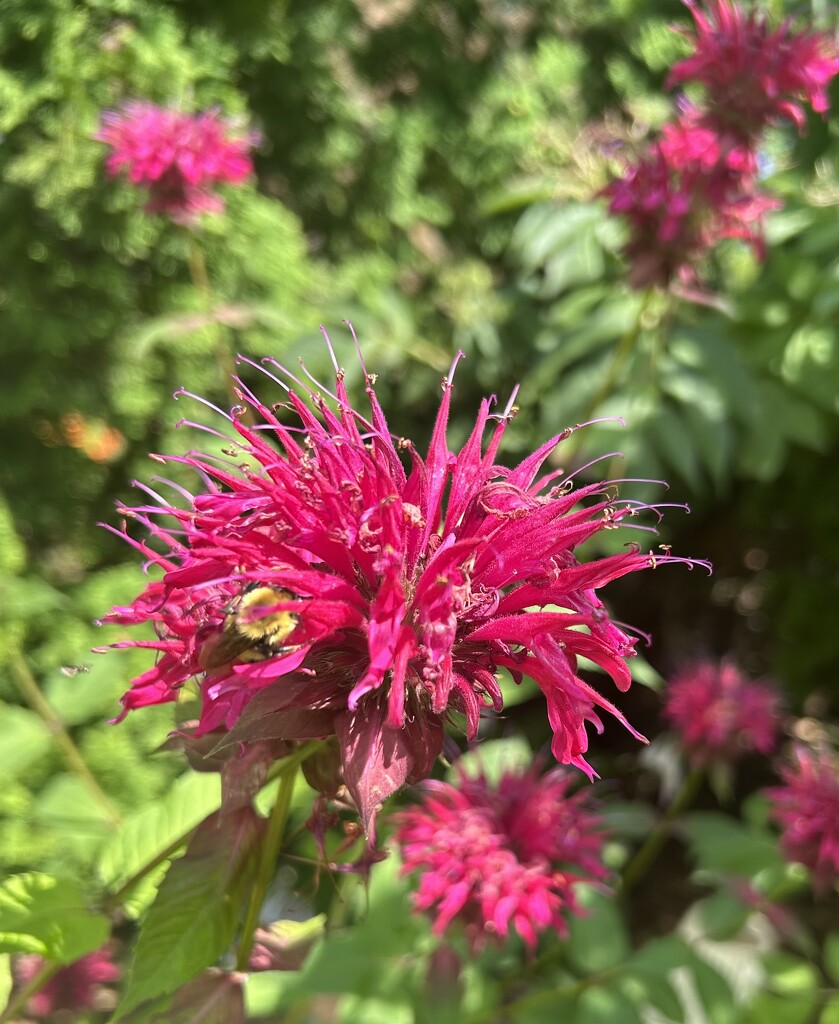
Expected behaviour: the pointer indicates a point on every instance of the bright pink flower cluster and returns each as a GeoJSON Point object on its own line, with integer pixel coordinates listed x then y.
{"type": "Point", "coordinates": [501, 857]}
{"type": "Point", "coordinates": [397, 586]}
{"type": "Point", "coordinates": [753, 75]}
{"type": "Point", "coordinates": [177, 157]}
{"type": "Point", "coordinates": [721, 715]}
{"type": "Point", "coordinates": [73, 987]}
{"type": "Point", "coordinates": [698, 184]}
{"type": "Point", "coordinates": [807, 808]}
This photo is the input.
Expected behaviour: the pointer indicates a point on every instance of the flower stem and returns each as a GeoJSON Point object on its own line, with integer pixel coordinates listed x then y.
{"type": "Point", "coordinates": [66, 747]}
{"type": "Point", "coordinates": [201, 280]}
{"type": "Point", "coordinates": [651, 847]}
{"type": "Point", "coordinates": [267, 863]}
{"type": "Point", "coordinates": [23, 995]}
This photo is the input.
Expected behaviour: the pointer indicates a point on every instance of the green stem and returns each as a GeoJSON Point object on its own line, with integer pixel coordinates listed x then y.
{"type": "Point", "coordinates": [34, 985]}
{"type": "Point", "coordinates": [66, 747]}
{"type": "Point", "coordinates": [651, 847]}
{"type": "Point", "coordinates": [201, 280]}
{"type": "Point", "coordinates": [267, 864]}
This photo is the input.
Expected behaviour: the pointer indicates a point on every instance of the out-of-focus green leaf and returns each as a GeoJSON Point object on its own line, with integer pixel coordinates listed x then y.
{"type": "Point", "coordinates": [49, 916]}
{"type": "Point", "coordinates": [831, 956]}
{"type": "Point", "coordinates": [721, 915]}
{"type": "Point", "coordinates": [789, 975]}
{"type": "Point", "coordinates": [597, 939]}
{"type": "Point", "coordinates": [5, 979]}
{"type": "Point", "coordinates": [722, 845]}
{"type": "Point", "coordinates": [149, 833]}
{"type": "Point", "coordinates": [830, 1011]}
{"type": "Point", "coordinates": [23, 739]}
{"type": "Point", "coordinates": [369, 1010]}
{"type": "Point", "coordinates": [604, 1005]}
{"type": "Point", "coordinates": [494, 757]}
{"type": "Point", "coordinates": [194, 918]}
{"type": "Point", "coordinates": [768, 1008]}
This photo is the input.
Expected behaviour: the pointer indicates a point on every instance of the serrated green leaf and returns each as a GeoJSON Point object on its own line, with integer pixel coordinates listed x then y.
{"type": "Point", "coordinates": [23, 739]}
{"type": "Point", "coordinates": [194, 918]}
{"type": "Point", "coordinates": [144, 837]}
{"type": "Point", "coordinates": [597, 940]}
{"type": "Point", "coordinates": [49, 916]}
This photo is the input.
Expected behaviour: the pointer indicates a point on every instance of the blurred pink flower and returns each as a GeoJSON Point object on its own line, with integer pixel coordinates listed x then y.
{"type": "Point", "coordinates": [383, 589]}
{"type": "Point", "coordinates": [681, 198]}
{"type": "Point", "coordinates": [754, 75]}
{"type": "Point", "coordinates": [177, 157]}
{"type": "Point", "coordinates": [73, 987]}
{"type": "Point", "coordinates": [721, 715]}
{"type": "Point", "coordinates": [496, 857]}
{"type": "Point", "coordinates": [806, 807]}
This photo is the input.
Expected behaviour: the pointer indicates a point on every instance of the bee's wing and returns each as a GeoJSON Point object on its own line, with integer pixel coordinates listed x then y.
{"type": "Point", "coordinates": [222, 648]}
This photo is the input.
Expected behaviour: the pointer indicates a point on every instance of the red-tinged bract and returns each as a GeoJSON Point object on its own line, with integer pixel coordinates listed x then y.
{"type": "Point", "coordinates": [806, 807]}
{"type": "Point", "coordinates": [501, 858]}
{"type": "Point", "coordinates": [73, 987]}
{"type": "Point", "coordinates": [396, 585]}
{"type": "Point", "coordinates": [177, 157]}
{"type": "Point", "coordinates": [720, 715]}
{"type": "Point", "coordinates": [754, 75]}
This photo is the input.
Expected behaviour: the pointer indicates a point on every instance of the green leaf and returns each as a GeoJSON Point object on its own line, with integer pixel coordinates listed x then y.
{"type": "Point", "coordinates": [723, 846]}
{"type": "Point", "coordinates": [769, 1008]}
{"type": "Point", "coordinates": [605, 1005]}
{"type": "Point", "coordinates": [494, 757]}
{"type": "Point", "coordinates": [147, 835]}
{"type": "Point", "coordinates": [721, 915]}
{"type": "Point", "coordinates": [5, 979]}
{"type": "Point", "coordinates": [194, 918]}
{"type": "Point", "coordinates": [368, 1010]}
{"type": "Point", "coordinates": [23, 739]}
{"type": "Point", "coordinates": [789, 975]}
{"type": "Point", "coordinates": [49, 916]}
{"type": "Point", "coordinates": [598, 939]}
{"type": "Point", "coordinates": [830, 1012]}
{"type": "Point", "coordinates": [831, 956]}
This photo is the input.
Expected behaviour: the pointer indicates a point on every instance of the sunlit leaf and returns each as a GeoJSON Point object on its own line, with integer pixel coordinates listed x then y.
{"type": "Point", "coordinates": [49, 916]}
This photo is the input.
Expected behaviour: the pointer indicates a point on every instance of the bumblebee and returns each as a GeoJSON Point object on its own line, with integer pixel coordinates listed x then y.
{"type": "Point", "coordinates": [252, 631]}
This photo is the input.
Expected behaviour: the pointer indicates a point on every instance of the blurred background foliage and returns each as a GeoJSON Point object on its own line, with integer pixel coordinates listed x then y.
{"type": "Point", "coordinates": [430, 172]}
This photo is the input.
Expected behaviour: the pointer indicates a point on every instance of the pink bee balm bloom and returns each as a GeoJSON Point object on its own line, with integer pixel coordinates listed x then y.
{"type": "Point", "coordinates": [177, 157]}
{"type": "Point", "coordinates": [720, 714]}
{"type": "Point", "coordinates": [806, 807]}
{"type": "Point", "coordinates": [331, 580]}
{"type": "Point", "coordinates": [687, 193]}
{"type": "Point", "coordinates": [73, 987]}
{"type": "Point", "coordinates": [753, 75]}
{"type": "Point", "coordinates": [496, 857]}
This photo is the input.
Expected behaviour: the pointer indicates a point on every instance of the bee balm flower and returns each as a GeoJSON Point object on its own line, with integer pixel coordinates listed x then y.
{"type": "Point", "coordinates": [391, 587]}
{"type": "Point", "coordinates": [754, 75]}
{"type": "Point", "coordinates": [806, 807]}
{"type": "Point", "coordinates": [720, 714]}
{"type": "Point", "coordinates": [501, 857]}
{"type": "Point", "coordinates": [177, 157]}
